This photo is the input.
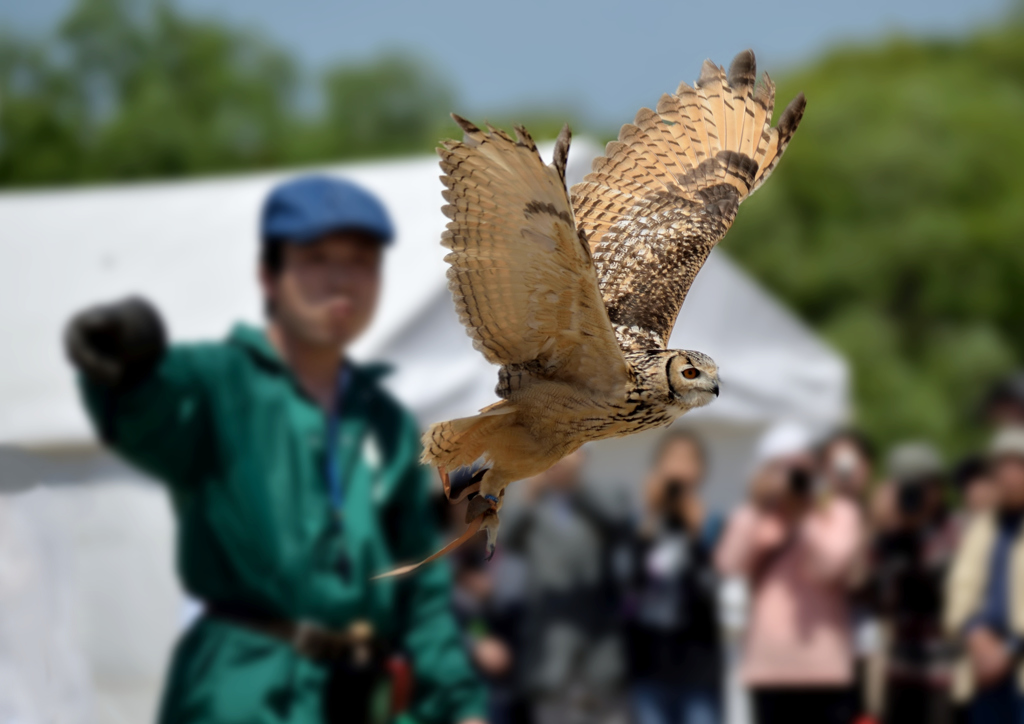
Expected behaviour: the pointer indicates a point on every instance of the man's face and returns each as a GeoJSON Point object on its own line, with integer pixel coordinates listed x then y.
{"type": "Point", "coordinates": [681, 462]}
{"type": "Point", "coordinates": [1008, 475]}
{"type": "Point", "coordinates": [980, 494]}
{"type": "Point", "coordinates": [326, 290]}
{"type": "Point", "coordinates": [846, 468]}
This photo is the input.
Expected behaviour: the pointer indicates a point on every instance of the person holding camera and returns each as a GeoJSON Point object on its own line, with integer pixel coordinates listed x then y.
{"type": "Point", "coordinates": [674, 641]}
{"type": "Point", "coordinates": [847, 464]}
{"type": "Point", "coordinates": [915, 539]}
{"type": "Point", "coordinates": [846, 460]}
{"type": "Point", "coordinates": [796, 546]}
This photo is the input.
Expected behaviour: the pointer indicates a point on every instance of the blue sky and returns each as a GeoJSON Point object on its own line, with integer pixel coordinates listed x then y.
{"type": "Point", "coordinates": [604, 58]}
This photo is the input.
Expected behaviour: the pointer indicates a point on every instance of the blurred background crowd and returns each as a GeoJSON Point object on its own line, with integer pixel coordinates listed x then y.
{"type": "Point", "coordinates": [835, 538]}
{"type": "Point", "coordinates": [845, 588]}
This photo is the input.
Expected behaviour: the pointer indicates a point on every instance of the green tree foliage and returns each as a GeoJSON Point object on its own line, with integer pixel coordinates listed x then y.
{"type": "Point", "coordinates": [40, 135]}
{"type": "Point", "coordinates": [127, 90]}
{"type": "Point", "coordinates": [387, 107]}
{"type": "Point", "coordinates": [895, 224]}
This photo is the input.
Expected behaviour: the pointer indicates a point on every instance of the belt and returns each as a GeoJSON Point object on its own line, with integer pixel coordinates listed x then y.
{"type": "Point", "coordinates": [355, 645]}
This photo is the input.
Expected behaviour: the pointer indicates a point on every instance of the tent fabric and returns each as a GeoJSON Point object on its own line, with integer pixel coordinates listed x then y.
{"type": "Point", "coordinates": [191, 248]}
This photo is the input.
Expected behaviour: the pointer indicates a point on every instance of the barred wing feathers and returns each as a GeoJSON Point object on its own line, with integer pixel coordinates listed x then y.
{"type": "Point", "coordinates": [521, 275]}
{"type": "Point", "coordinates": [667, 191]}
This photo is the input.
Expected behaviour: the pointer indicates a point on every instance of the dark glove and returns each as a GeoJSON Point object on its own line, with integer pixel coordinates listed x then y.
{"type": "Point", "coordinates": [117, 345]}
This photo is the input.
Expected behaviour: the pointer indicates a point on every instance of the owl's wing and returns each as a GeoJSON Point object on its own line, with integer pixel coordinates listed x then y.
{"type": "Point", "coordinates": [667, 191]}
{"type": "Point", "coordinates": [521, 275]}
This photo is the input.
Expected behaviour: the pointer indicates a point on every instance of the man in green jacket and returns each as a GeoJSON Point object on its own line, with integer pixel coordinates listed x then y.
{"type": "Point", "coordinates": [294, 480]}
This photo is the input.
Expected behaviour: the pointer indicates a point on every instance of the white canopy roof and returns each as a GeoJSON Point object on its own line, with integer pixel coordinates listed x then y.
{"type": "Point", "coordinates": [191, 248]}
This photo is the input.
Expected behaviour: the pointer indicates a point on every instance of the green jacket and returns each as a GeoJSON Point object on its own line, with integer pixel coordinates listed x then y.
{"type": "Point", "coordinates": [242, 452]}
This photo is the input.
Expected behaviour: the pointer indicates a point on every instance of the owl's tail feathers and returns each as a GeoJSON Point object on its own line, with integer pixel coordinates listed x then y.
{"type": "Point", "coordinates": [717, 131]}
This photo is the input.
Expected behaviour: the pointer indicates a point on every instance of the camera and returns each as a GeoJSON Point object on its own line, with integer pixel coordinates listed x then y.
{"type": "Point", "coordinates": [911, 497]}
{"type": "Point", "coordinates": [913, 494]}
{"type": "Point", "coordinates": [800, 482]}
{"type": "Point", "coordinates": [674, 489]}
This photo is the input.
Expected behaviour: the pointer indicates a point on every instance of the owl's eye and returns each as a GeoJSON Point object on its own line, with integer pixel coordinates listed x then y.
{"type": "Point", "coordinates": [691, 373]}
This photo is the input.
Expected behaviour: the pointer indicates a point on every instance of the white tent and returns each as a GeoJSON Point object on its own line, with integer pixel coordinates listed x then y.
{"type": "Point", "coordinates": [190, 247]}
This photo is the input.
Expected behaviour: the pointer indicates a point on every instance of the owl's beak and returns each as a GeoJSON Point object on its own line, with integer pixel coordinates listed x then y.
{"type": "Point", "coordinates": [715, 389]}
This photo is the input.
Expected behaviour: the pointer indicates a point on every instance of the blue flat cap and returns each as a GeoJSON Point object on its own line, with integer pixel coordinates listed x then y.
{"type": "Point", "coordinates": [306, 208]}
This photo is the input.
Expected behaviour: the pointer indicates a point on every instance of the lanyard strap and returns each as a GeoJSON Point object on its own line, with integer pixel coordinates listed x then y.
{"type": "Point", "coordinates": [332, 463]}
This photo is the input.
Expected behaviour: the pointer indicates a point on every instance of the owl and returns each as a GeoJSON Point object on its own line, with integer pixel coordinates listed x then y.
{"type": "Point", "coordinates": [573, 294]}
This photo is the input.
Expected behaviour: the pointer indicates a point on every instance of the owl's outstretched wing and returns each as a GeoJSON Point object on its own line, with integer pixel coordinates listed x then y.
{"type": "Point", "coordinates": [667, 191]}
{"type": "Point", "coordinates": [521, 275]}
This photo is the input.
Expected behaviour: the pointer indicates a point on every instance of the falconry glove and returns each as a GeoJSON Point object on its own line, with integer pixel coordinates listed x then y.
{"type": "Point", "coordinates": [117, 345]}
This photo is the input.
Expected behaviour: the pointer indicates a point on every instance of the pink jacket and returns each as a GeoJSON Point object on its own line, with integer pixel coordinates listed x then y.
{"type": "Point", "coordinates": [799, 631]}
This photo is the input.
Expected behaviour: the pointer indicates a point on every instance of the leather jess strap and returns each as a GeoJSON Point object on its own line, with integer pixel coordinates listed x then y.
{"type": "Point", "coordinates": [471, 530]}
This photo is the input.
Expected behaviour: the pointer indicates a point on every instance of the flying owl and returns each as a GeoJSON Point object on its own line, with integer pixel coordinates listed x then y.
{"type": "Point", "coordinates": [574, 294]}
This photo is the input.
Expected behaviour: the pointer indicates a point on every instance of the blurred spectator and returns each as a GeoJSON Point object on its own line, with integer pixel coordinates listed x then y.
{"type": "Point", "coordinates": [915, 538]}
{"type": "Point", "coordinates": [985, 594]}
{"type": "Point", "coordinates": [574, 657]}
{"type": "Point", "coordinates": [674, 643]}
{"type": "Point", "coordinates": [847, 465]}
{"type": "Point", "coordinates": [797, 548]}
{"type": "Point", "coordinates": [491, 619]}
{"type": "Point", "coordinates": [977, 490]}
{"type": "Point", "coordinates": [1005, 402]}
{"type": "Point", "coordinates": [846, 461]}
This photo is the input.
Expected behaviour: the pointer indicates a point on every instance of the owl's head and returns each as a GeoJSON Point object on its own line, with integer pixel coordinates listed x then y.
{"type": "Point", "coordinates": [692, 378]}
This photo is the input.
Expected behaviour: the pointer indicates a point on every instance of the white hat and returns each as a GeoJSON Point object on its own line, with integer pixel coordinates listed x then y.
{"type": "Point", "coordinates": [915, 459]}
{"type": "Point", "coordinates": [782, 440]}
{"type": "Point", "coordinates": [1007, 442]}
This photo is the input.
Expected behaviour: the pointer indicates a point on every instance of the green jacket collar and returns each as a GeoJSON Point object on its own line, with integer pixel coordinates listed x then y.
{"type": "Point", "coordinates": [254, 340]}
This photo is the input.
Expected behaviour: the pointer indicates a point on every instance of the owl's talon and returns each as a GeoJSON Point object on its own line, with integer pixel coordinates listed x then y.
{"type": "Point", "coordinates": [490, 526]}
{"type": "Point", "coordinates": [477, 507]}
{"type": "Point", "coordinates": [481, 505]}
